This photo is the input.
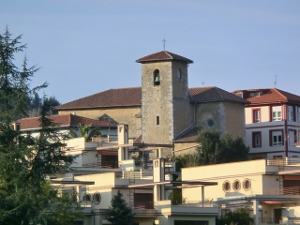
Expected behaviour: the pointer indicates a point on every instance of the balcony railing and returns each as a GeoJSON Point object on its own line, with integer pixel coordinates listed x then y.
{"type": "Point", "coordinates": [283, 162]}
{"type": "Point", "coordinates": [105, 140]}
{"type": "Point", "coordinates": [105, 164]}
{"type": "Point", "coordinates": [143, 205]}
{"type": "Point", "coordinates": [283, 191]}
{"type": "Point", "coordinates": [275, 221]}
{"type": "Point", "coordinates": [137, 212]}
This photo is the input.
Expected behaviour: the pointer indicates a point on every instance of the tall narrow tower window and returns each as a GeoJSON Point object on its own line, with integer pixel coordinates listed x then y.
{"type": "Point", "coordinates": [179, 74]}
{"type": "Point", "coordinates": [156, 77]}
{"type": "Point", "coordinates": [157, 120]}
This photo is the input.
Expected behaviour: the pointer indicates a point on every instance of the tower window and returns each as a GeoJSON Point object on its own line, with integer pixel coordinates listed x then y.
{"type": "Point", "coordinates": [157, 120]}
{"type": "Point", "coordinates": [179, 74]}
{"type": "Point", "coordinates": [156, 77]}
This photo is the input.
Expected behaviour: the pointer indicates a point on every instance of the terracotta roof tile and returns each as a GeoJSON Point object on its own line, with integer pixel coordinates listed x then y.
{"type": "Point", "coordinates": [163, 56]}
{"type": "Point", "coordinates": [61, 121]}
{"type": "Point", "coordinates": [111, 98]}
{"type": "Point", "coordinates": [132, 97]}
{"type": "Point", "coordinates": [214, 94]}
{"type": "Point", "coordinates": [269, 95]}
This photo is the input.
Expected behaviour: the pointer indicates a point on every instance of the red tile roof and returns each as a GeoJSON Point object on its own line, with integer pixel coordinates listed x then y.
{"type": "Point", "coordinates": [61, 121]}
{"type": "Point", "coordinates": [163, 56]}
{"type": "Point", "coordinates": [269, 96]}
{"type": "Point", "coordinates": [124, 97]}
{"type": "Point", "coordinates": [111, 98]}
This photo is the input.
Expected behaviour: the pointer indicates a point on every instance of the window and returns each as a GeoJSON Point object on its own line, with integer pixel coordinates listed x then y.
{"type": "Point", "coordinates": [179, 74]}
{"type": "Point", "coordinates": [156, 77]}
{"type": "Point", "coordinates": [292, 137]}
{"type": "Point", "coordinates": [276, 113]}
{"type": "Point", "coordinates": [291, 113]}
{"type": "Point", "coordinates": [254, 94]}
{"type": "Point", "coordinates": [247, 184]}
{"type": "Point", "coordinates": [86, 197]}
{"type": "Point", "coordinates": [256, 139]}
{"type": "Point", "coordinates": [239, 94]}
{"type": "Point", "coordinates": [256, 115]}
{"type": "Point", "coordinates": [157, 120]}
{"type": "Point", "coordinates": [97, 198]}
{"type": "Point", "coordinates": [226, 186]}
{"type": "Point", "coordinates": [236, 185]}
{"type": "Point", "coordinates": [276, 138]}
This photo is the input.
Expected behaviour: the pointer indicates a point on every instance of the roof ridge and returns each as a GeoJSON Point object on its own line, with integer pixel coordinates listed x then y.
{"type": "Point", "coordinates": [203, 87]}
{"type": "Point", "coordinates": [279, 92]}
{"type": "Point", "coordinates": [217, 89]}
{"type": "Point", "coordinates": [169, 54]}
{"type": "Point", "coordinates": [123, 88]}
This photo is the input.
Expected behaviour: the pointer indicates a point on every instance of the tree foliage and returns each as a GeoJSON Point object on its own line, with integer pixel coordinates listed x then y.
{"type": "Point", "coordinates": [36, 102]}
{"type": "Point", "coordinates": [27, 162]}
{"type": "Point", "coordinates": [86, 131]}
{"type": "Point", "coordinates": [239, 216]}
{"type": "Point", "coordinates": [119, 212]}
{"type": "Point", "coordinates": [187, 160]}
{"type": "Point", "coordinates": [215, 149]}
{"type": "Point", "coordinates": [176, 195]}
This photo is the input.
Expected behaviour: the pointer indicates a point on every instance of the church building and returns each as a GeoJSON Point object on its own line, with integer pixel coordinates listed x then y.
{"type": "Point", "coordinates": [164, 112]}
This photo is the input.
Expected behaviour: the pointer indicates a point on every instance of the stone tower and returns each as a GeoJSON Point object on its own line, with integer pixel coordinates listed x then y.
{"type": "Point", "coordinates": [165, 97]}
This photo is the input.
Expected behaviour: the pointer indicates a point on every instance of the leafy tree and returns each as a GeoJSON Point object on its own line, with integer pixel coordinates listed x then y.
{"type": "Point", "coordinates": [187, 160]}
{"type": "Point", "coordinates": [239, 216]}
{"type": "Point", "coordinates": [26, 162]}
{"type": "Point", "coordinates": [215, 149]}
{"type": "Point", "coordinates": [119, 212]}
{"type": "Point", "coordinates": [86, 131]}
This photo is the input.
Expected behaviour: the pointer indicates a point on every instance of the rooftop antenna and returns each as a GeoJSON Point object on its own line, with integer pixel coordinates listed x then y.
{"type": "Point", "coordinates": [275, 83]}
{"type": "Point", "coordinates": [164, 44]}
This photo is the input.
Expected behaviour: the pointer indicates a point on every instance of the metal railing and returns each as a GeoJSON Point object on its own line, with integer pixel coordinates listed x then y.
{"type": "Point", "coordinates": [283, 162]}
{"type": "Point", "coordinates": [107, 139]}
{"type": "Point", "coordinates": [275, 221]}
{"type": "Point", "coordinates": [282, 191]}
{"type": "Point", "coordinates": [139, 174]}
{"type": "Point", "coordinates": [143, 205]}
{"type": "Point", "coordinates": [105, 164]}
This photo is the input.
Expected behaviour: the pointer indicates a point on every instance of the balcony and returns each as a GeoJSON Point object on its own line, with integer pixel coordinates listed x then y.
{"type": "Point", "coordinates": [275, 221]}
{"type": "Point", "coordinates": [283, 191]}
{"type": "Point", "coordinates": [105, 141]}
{"type": "Point", "coordinates": [198, 209]}
{"type": "Point", "coordinates": [105, 164]}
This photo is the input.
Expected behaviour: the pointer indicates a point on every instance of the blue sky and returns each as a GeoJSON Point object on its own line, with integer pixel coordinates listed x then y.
{"type": "Point", "coordinates": [85, 47]}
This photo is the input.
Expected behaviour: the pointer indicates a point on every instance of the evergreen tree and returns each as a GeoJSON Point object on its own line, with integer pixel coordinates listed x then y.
{"type": "Point", "coordinates": [27, 162]}
{"type": "Point", "coordinates": [36, 103]}
{"type": "Point", "coordinates": [119, 212]}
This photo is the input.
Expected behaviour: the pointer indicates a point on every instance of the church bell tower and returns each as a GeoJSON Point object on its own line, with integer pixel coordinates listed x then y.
{"type": "Point", "coordinates": [165, 96]}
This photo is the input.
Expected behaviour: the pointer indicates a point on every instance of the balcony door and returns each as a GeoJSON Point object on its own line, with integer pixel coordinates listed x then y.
{"type": "Point", "coordinates": [277, 215]}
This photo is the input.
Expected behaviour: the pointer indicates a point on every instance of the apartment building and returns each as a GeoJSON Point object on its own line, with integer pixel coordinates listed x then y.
{"type": "Point", "coordinates": [272, 122]}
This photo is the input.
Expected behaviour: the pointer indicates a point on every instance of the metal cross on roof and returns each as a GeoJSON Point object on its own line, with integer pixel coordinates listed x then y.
{"type": "Point", "coordinates": [164, 41]}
